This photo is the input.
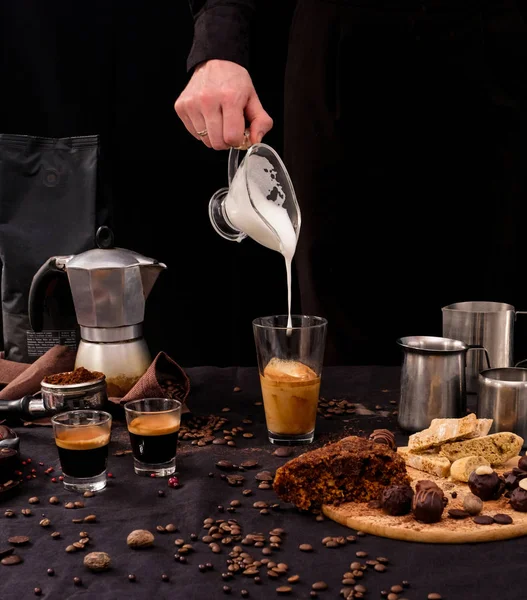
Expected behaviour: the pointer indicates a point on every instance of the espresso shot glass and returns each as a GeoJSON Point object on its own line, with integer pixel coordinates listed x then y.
{"type": "Point", "coordinates": [290, 358]}
{"type": "Point", "coordinates": [82, 438]}
{"type": "Point", "coordinates": [153, 425]}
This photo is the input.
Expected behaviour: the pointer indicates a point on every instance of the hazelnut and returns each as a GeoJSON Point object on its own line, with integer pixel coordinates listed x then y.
{"type": "Point", "coordinates": [484, 470]}
{"type": "Point", "coordinates": [140, 538]}
{"type": "Point", "coordinates": [472, 504]}
{"type": "Point", "coordinates": [97, 561]}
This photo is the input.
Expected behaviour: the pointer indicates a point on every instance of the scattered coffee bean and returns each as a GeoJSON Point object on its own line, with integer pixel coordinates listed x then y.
{"type": "Point", "coordinates": [6, 552]}
{"type": "Point", "coordinates": [434, 596]}
{"type": "Point", "coordinates": [361, 554]}
{"type": "Point", "coordinates": [320, 586]}
{"type": "Point", "coordinates": [26, 512]}
{"type": "Point", "coordinates": [69, 505]}
{"type": "Point", "coordinates": [392, 597]}
{"type": "Point", "coordinates": [502, 519]}
{"type": "Point", "coordinates": [457, 513]}
{"type": "Point", "coordinates": [284, 589]}
{"type": "Point", "coordinates": [293, 579]}
{"type": "Point", "coordinates": [226, 465]}
{"type": "Point", "coordinates": [89, 494]}
{"type": "Point", "coordinates": [54, 500]}
{"type": "Point", "coordinates": [78, 504]}
{"type": "Point", "coordinates": [305, 547]}
{"type": "Point", "coordinates": [18, 540]}
{"type": "Point", "coordinates": [9, 514]}
{"type": "Point", "coordinates": [171, 528]}
{"type": "Point", "coordinates": [249, 464]}
{"type": "Point", "coordinates": [90, 519]}
{"type": "Point", "coordinates": [38, 591]}
{"type": "Point", "coordinates": [71, 548]}
{"type": "Point", "coordinates": [396, 589]}
{"type": "Point", "coordinates": [45, 523]}
{"type": "Point", "coordinates": [12, 559]}
{"type": "Point", "coordinates": [483, 520]}
{"type": "Point", "coordinates": [283, 452]}
{"type": "Point", "coordinates": [34, 500]}
{"type": "Point", "coordinates": [77, 581]}
{"type": "Point", "coordinates": [380, 568]}
{"type": "Point", "coordinates": [77, 521]}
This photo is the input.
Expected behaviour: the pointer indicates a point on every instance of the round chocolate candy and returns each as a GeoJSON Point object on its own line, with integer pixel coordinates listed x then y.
{"type": "Point", "coordinates": [428, 502]}
{"type": "Point", "coordinates": [522, 463]}
{"type": "Point", "coordinates": [383, 436]}
{"type": "Point", "coordinates": [396, 500]}
{"type": "Point", "coordinates": [486, 484]}
{"type": "Point", "coordinates": [518, 498]}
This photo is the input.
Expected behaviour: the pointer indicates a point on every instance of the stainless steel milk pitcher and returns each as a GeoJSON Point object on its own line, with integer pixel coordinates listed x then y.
{"type": "Point", "coordinates": [486, 324]}
{"type": "Point", "coordinates": [433, 383]}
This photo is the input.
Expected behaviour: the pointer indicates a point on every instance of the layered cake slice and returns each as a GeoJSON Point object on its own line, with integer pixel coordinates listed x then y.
{"type": "Point", "coordinates": [429, 462]}
{"type": "Point", "coordinates": [353, 469]}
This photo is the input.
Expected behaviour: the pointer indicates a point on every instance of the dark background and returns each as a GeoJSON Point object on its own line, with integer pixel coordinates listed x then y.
{"type": "Point", "coordinates": [115, 68]}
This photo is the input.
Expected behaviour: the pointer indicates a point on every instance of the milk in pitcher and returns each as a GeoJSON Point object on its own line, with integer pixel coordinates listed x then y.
{"type": "Point", "coordinates": [268, 198]}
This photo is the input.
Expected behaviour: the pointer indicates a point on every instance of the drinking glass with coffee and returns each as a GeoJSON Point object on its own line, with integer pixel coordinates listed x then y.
{"type": "Point", "coordinates": [290, 357]}
{"type": "Point", "coordinates": [153, 425]}
{"type": "Point", "coordinates": [82, 438]}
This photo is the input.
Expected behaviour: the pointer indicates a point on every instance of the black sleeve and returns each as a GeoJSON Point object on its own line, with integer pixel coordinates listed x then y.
{"type": "Point", "coordinates": [221, 30]}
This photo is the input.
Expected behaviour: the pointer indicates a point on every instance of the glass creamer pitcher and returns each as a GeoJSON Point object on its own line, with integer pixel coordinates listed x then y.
{"type": "Point", "coordinates": [260, 201]}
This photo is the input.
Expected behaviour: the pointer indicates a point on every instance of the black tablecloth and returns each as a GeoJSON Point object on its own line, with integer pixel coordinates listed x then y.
{"type": "Point", "coordinates": [461, 572]}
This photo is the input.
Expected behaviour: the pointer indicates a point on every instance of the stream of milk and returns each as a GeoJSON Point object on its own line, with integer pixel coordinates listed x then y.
{"type": "Point", "coordinates": [263, 186]}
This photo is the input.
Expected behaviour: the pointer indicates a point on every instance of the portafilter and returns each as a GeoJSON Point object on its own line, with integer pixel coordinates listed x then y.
{"type": "Point", "coordinates": [55, 398]}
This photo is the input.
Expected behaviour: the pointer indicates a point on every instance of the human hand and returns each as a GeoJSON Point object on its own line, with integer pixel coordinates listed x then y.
{"type": "Point", "coordinates": [219, 99]}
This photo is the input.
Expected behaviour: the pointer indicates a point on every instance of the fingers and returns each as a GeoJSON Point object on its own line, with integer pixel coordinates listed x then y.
{"type": "Point", "coordinates": [260, 122]}
{"type": "Point", "coordinates": [233, 124]}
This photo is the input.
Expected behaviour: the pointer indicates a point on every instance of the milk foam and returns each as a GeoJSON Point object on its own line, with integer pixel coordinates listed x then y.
{"type": "Point", "coordinates": [268, 197]}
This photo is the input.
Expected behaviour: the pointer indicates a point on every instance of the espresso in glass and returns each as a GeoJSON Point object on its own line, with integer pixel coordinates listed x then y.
{"type": "Point", "coordinates": [82, 438]}
{"type": "Point", "coordinates": [153, 425]}
{"type": "Point", "coordinates": [154, 437]}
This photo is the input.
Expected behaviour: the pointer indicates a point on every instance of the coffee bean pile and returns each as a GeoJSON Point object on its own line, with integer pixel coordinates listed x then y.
{"type": "Point", "coordinates": [204, 430]}
{"type": "Point", "coordinates": [173, 389]}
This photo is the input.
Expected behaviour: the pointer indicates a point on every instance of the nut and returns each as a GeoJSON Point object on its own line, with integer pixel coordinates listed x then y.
{"type": "Point", "coordinates": [523, 484]}
{"type": "Point", "coordinates": [484, 470]}
{"type": "Point", "coordinates": [140, 538]}
{"type": "Point", "coordinates": [97, 561]}
{"type": "Point", "coordinates": [472, 504]}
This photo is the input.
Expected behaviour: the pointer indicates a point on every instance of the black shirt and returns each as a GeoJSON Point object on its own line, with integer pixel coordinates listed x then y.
{"type": "Point", "coordinates": [221, 30]}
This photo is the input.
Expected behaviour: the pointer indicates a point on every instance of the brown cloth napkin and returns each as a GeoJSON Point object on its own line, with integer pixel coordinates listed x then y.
{"type": "Point", "coordinates": [23, 379]}
{"type": "Point", "coordinates": [163, 378]}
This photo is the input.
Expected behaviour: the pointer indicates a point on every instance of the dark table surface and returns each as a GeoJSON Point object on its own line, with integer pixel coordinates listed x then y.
{"type": "Point", "coordinates": [461, 572]}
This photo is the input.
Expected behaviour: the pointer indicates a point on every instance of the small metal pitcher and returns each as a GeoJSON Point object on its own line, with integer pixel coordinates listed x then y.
{"type": "Point", "coordinates": [502, 397]}
{"type": "Point", "coordinates": [489, 324]}
{"type": "Point", "coordinates": [433, 381]}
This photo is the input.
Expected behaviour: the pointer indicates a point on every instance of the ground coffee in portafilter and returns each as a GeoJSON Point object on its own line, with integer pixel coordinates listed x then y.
{"type": "Point", "coordinates": [154, 437]}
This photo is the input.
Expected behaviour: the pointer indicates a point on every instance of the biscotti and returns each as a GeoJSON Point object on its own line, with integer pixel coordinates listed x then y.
{"type": "Point", "coordinates": [429, 462]}
{"type": "Point", "coordinates": [353, 469]}
{"type": "Point", "coordinates": [482, 428]}
{"type": "Point", "coordinates": [463, 467]}
{"type": "Point", "coordinates": [497, 448]}
{"type": "Point", "coordinates": [442, 431]}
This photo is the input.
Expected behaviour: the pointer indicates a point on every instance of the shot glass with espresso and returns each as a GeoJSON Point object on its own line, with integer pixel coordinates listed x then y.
{"type": "Point", "coordinates": [290, 362]}
{"type": "Point", "coordinates": [153, 425]}
{"type": "Point", "coordinates": [82, 438]}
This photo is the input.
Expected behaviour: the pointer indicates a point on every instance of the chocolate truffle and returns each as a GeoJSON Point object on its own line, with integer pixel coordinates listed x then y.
{"type": "Point", "coordinates": [396, 500]}
{"type": "Point", "coordinates": [383, 436]}
{"type": "Point", "coordinates": [9, 463]}
{"type": "Point", "coordinates": [519, 497]}
{"type": "Point", "coordinates": [486, 483]}
{"type": "Point", "coordinates": [428, 502]}
{"type": "Point", "coordinates": [8, 438]}
{"type": "Point", "coordinates": [522, 463]}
